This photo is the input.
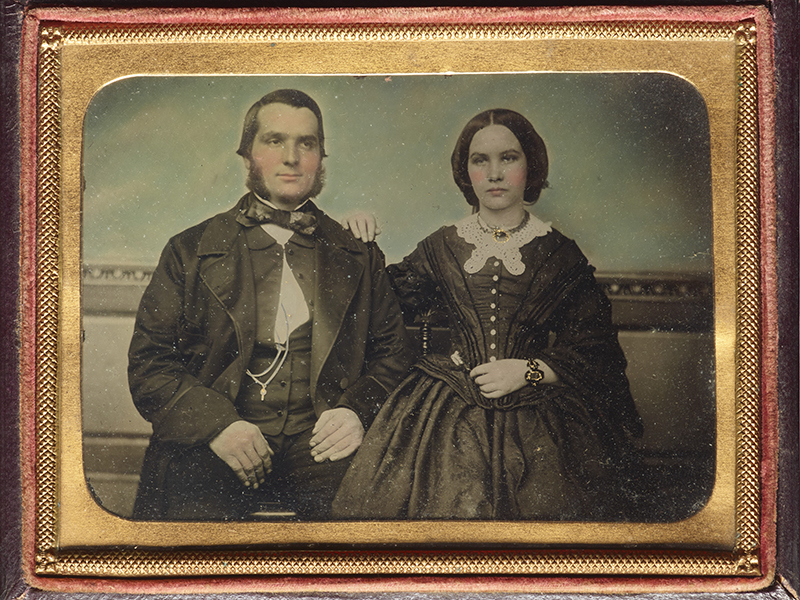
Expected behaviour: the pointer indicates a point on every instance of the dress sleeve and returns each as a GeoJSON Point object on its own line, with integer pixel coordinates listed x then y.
{"type": "Point", "coordinates": [586, 353]}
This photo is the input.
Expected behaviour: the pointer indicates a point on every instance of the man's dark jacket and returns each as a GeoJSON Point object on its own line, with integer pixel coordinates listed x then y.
{"type": "Point", "coordinates": [195, 333]}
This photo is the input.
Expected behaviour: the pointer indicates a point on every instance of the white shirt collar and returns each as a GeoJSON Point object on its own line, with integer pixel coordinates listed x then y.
{"type": "Point", "coordinates": [268, 203]}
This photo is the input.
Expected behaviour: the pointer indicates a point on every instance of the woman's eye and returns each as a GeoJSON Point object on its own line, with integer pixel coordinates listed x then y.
{"type": "Point", "coordinates": [478, 160]}
{"type": "Point", "coordinates": [509, 158]}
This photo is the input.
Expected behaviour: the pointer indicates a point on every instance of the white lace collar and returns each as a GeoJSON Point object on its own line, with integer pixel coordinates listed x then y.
{"type": "Point", "coordinates": [472, 232]}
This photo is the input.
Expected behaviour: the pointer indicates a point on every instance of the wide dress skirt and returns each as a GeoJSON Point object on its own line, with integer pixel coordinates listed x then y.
{"type": "Point", "coordinates": [431, 454]}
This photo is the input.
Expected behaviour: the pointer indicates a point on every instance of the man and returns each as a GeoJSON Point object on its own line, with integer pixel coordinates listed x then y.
{"type": "Point", "coordinates": [266, 341]}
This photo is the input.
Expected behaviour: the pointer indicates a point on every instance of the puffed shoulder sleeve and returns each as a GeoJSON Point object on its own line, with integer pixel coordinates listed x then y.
{"type": "Point", "coordinates": [412, 283]}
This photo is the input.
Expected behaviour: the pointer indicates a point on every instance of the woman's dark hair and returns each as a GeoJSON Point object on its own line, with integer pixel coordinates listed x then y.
{"type": "Point", "coordinates": [294, 98]}
{"type": "Point", "coordinates": [532, 145]}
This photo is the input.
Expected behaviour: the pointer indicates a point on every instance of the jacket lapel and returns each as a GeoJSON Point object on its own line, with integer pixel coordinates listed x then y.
{"type": "Point", "coordinates": [339, 271]}
{"type": "Point", "coordinates": [227, 271]}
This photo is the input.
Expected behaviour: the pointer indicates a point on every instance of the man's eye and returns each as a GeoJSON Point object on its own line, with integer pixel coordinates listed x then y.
{"type": "Point", "coordinates": [309, 144]}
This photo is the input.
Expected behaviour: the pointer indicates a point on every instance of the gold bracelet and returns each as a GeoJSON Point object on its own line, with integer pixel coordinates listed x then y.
{"type": "Point", "coordinates": [535, 374]}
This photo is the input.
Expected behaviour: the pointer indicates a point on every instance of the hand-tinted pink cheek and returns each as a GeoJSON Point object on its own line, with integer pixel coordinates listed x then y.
{"type": "Point", "coordinates": [518, 176]}
{"type": "Point", "coordinates": [264, 157]}
{"type": "Point", "coordinates": [476, 176]}
{"type": "Point", "coordinates": [310, 163]}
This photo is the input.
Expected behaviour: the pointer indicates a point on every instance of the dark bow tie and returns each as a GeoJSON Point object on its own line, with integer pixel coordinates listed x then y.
{"type": "Point", "coordinates": [258, 213]}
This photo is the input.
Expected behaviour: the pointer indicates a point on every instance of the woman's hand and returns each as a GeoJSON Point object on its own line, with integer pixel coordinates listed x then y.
{"type": "Point", "coordinates": [500, 378]}
{"type": "Point", "coordinates": [363, 226]}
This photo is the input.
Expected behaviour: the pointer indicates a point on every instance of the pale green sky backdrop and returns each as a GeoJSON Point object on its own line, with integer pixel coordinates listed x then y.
{"type": "Point", "coordinates": [629, 159]}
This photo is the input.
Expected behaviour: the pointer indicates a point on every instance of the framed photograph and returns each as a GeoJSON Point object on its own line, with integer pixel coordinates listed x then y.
{"type": "Point", "coordinates": [637, 453]}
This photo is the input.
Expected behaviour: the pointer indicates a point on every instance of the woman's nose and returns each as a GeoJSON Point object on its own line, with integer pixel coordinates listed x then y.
{"type": "Point", "coordinates": [495, 171]}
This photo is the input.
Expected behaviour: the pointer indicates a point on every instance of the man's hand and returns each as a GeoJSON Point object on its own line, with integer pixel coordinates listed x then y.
{"type": "Point", "coordinates": [337, 434]}
{"type": "Point", "coordinates": [363, 226]}
{"type": "Point", "coordinates": [243, 448]}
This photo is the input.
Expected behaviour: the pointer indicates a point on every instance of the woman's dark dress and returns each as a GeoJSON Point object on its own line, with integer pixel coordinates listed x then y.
{"type": "Point", "coordinates": [440, 450]}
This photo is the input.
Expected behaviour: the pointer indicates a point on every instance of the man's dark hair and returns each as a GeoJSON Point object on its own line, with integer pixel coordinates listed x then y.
{"type": "Point", "coordinates": [532, 145]}
{"type": "Point", "coordinates": [294, 98]}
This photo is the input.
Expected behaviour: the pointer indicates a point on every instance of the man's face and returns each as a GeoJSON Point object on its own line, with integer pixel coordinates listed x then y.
{"type": "Point", "coordinates": [285, 161]}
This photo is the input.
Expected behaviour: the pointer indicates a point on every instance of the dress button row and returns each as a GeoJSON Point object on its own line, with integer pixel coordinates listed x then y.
{"type": "Point", "coordinates": [493, 318]}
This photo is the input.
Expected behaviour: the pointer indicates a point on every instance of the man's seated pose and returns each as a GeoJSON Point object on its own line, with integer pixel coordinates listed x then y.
{"type": "Point", "coordinates": [266, 341]}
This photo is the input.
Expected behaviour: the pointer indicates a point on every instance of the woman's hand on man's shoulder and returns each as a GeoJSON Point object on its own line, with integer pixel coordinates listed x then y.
{"type": "Point", "coordinates": [364, 226]}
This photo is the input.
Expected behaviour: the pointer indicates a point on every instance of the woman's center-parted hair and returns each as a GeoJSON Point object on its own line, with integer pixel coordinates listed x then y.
{"type": "Point", "coordinates": [293, 98]}
{"type": "Point", "coordinates": [532, 145]}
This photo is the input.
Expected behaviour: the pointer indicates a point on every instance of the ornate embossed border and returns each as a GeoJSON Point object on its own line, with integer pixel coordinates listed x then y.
{"type": "Point", "coordinates": [746, 566]}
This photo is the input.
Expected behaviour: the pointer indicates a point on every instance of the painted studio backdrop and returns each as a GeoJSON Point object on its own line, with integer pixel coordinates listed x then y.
{"type": "Point", "coordinates": [629, 180]}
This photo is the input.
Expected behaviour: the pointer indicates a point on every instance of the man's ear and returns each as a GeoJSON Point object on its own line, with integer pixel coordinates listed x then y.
{"type": "Point", "coordinates": [247, 162]}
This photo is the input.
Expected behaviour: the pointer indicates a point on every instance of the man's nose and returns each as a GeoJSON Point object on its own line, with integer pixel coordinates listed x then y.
{"type": "Point", "coordinates": [290, 154]}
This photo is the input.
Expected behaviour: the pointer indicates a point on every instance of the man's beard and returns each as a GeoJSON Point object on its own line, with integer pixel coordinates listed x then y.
{"type": "Point", "coordinates": [255, 183]}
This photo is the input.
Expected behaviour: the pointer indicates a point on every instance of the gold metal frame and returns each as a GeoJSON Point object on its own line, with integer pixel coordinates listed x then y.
{"type": "Point", "coordinates": [71, 542]}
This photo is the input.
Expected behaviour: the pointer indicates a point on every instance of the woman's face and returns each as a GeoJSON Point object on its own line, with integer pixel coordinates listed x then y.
{"type": "Point", "coordinates": [497, 168]}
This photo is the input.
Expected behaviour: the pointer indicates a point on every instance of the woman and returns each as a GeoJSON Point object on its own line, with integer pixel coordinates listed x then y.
{"type": "Point", "coordinates": [529, 416]}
